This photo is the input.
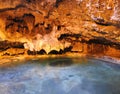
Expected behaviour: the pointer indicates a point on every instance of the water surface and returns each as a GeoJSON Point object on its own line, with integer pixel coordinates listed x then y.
{"type": "Point", "coordinates": [61, 76]}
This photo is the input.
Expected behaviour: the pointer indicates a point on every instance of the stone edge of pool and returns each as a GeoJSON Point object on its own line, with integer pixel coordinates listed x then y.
{"type": "Point", "coordinates": [21, 58]}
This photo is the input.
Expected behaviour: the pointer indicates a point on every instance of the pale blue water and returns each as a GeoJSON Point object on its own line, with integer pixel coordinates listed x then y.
{"type": "Point", "coordinates": [61, 76]}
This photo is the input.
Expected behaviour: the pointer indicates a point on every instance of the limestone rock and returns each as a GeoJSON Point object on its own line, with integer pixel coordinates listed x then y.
{"type": "Point", "coordinates": [59, 24]}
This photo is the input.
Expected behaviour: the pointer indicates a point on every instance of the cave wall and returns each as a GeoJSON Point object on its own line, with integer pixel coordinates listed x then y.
{"type": "Point", "coordinates": [59, 24]}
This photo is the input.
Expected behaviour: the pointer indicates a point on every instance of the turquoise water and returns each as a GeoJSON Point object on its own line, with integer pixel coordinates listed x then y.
{"type": "Point", "coordinates": [61, 76]}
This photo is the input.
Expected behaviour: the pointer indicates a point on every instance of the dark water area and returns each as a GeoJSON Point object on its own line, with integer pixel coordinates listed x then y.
{"type": "Point", "coordinates": [61, 76]}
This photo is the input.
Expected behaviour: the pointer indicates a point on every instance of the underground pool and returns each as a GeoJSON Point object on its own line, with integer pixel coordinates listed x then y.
{"type": "Point", "coordinates": [60, 76]}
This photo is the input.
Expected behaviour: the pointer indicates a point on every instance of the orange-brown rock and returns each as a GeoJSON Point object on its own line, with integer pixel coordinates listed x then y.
{"type": "Point", "coordinates": [59, 24]}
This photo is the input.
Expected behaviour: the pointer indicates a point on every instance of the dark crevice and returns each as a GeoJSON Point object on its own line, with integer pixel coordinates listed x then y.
{"type": "Point", "coordinates": [58, 27]}
{"type": "Point", "coordinates": [41, 52]}
{"type": "Point", "coordinates": [68, 49]}
{"type": "Point", "coordinates": [98, 31]}
{"type": "Point", "coordinates": [104, 41]}
{"type": "Point", "coordinates": [55, 52]}
{"type": "Point", "coordinates": [58, 2]}
{"type": "Point", "coordinates": [19, 6]}
{"type": "Point", "coordinates": [96, 40]}
{"type": "Point", "coordinates": [68, 14]}
{"type": "Point", "coordinates": [4, 45]}
{"type": "Point", "coordinates": [48, 27]}
{"type": "Point", "coordinates": [31, 52]}
{"type": "Point", "coordinates": [19, 24]}
{"type": "Point", "coordinates": [9, 9]}
{"type": "Point", "coordinates": [4, 49]}
{"type": "Point", "coordinates": [29, 1]}
{"type": "Point", "coordinates": [29, 15]}
{"type": "Point", "coordinates": [69, 35]}
{"type": "Point", "coordinates": [101, 21]}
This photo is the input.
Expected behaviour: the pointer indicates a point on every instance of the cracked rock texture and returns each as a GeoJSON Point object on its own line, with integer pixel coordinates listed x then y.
{"type": "Point", "coordinates": [83, 26]}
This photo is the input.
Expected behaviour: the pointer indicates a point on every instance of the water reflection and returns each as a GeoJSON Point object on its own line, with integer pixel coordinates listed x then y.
{"type": "Point", "coordinates": [61, 62]}
{"type": "Point", "coordinates": [61, 76]}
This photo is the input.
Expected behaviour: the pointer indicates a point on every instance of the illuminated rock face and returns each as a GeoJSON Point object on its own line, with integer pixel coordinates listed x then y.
{"type": "Point", "coordinates": [59, 24]}
{"type": "Point", "coordinates": [47, 42]}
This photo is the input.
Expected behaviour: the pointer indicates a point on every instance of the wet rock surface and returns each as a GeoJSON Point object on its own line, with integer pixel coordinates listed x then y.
{"type": "Point", "coordinates": [54, 25]}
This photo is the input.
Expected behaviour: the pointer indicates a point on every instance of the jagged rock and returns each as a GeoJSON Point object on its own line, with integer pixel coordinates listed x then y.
{"type": "Point", "coordinates": [58, 24]}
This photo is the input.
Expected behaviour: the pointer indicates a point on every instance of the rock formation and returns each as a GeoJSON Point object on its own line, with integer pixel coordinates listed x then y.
{"type": "Point", "coordinates": [83, 26]}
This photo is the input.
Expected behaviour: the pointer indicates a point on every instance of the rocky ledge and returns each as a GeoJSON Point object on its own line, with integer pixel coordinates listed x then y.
{"type": "Point", "coordinates": [60, 26]}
